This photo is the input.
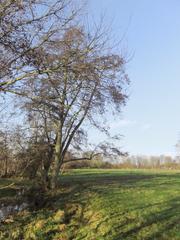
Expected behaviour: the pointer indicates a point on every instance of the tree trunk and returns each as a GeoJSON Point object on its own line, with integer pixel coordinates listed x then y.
{"type": "Point", "coordinates": [6, 167]}
{"type": "Point", "coordinates": [45, 179]}
{"type": "Point", "coordinates": [57, 162]}
{"type": "Point", "coordinates": [46, 164]}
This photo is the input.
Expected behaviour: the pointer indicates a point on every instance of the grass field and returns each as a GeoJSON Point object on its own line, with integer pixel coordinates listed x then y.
{"type": "Point", "coordinates": [103, 205]}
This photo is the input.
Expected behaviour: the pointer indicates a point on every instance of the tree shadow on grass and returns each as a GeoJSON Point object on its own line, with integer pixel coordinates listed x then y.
{"type": "Point", "coordinates": [168, 219]}
{"type": "Point", "coordinates": [101, 182]}
{"type": "Point", "coordinates": [74, 189]}
{"type": "Point", "coordinates": [101, 179]}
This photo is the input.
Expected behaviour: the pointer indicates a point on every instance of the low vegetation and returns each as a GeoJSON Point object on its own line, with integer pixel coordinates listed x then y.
{"type": "Point", "coordinates": [101, 205]}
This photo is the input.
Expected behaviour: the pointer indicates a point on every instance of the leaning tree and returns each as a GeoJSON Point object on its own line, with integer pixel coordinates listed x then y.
{"type": "Point", "coordinates": [86, 81]}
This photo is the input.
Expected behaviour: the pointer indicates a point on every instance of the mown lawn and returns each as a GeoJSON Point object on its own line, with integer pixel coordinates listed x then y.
{"type": "Point", "coordinates": [104, 205]}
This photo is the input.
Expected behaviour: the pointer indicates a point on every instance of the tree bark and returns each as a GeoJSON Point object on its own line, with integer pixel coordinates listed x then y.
{"type": "Point", "coordinates": [6, 167]}
{"type": "Point", "coordinates": [46, 164]}
{"type": "Point", "coordinates": [57, 161]}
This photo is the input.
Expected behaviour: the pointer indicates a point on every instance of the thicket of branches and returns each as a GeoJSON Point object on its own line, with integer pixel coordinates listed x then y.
{"type": "Point", "coordinates": [67, 76]}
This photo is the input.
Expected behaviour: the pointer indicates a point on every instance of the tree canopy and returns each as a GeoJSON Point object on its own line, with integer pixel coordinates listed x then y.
{"type": "Point", "coordinates": [67, 76]}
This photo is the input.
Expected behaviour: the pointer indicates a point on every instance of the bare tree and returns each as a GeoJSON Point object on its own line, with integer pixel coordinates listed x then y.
{"type": "Point", "coordinates": [87, 82]}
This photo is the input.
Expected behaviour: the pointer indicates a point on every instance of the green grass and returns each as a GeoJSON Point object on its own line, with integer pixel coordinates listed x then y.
{"type": "Point", "coordinates": [105, 205]}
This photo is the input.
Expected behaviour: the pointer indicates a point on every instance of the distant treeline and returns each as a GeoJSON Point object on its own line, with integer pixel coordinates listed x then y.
{"type": "Point", "coordinates": [139, 162]}
{"type": "Point", "coordinates": [28, 159]}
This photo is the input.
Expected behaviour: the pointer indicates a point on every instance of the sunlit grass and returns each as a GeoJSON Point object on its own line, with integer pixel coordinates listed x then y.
{"type": "Point", "coordinates": [105, 205]}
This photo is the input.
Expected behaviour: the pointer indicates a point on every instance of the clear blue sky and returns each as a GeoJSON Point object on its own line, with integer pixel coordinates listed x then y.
{"type": "Point", "coordinates": [151, 120]}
